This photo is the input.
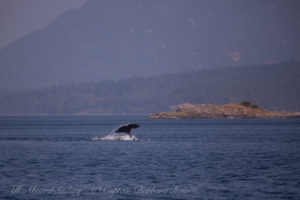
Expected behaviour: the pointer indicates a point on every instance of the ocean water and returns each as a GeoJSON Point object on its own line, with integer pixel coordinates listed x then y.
{"type": "Point", "coordinates": [50, 157]}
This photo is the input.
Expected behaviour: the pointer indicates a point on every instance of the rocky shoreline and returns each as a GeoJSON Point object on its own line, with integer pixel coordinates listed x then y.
{"type": "Point", "coordinates": [243, 110]}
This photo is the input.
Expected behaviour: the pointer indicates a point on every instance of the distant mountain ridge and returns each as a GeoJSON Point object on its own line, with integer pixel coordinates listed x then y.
{"type": "Point", "coordinates": [274, 87]}
{"type": "Point", "coordinates": [116, 39]}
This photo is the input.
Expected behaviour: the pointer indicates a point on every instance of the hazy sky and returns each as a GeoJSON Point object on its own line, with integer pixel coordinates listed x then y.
{"type": "Point", "coordinates": [19, 17]}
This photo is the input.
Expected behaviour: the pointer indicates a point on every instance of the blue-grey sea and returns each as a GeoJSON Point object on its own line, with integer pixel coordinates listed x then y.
{"type": "Point", "coordinates": [51, 157]}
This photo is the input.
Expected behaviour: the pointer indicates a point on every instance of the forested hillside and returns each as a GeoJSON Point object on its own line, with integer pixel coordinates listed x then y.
{"type": "Point", "coordinates": [113, 39]}
{"type": "Point", "coordinates": [274, 87]}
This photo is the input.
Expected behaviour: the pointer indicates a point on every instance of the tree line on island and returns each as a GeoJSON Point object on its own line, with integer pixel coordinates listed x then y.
{"type": "Point", "coordinates": [274, 87]}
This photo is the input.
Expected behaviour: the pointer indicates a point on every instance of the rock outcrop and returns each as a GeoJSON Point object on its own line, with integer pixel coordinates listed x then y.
{"type": "Point", "coordinates": [229, 111]}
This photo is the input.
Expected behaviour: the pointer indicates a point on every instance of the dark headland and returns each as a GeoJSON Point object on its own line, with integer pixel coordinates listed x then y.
{"type": "Point", "coordinates": [241, 110]}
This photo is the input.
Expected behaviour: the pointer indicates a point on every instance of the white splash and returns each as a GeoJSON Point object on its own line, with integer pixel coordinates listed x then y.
{"type": "Point", "coordinates": [114, 136]}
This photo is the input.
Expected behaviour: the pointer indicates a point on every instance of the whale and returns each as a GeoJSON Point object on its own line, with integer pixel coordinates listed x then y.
{"type": "Point", "coordinates": [127, 129]}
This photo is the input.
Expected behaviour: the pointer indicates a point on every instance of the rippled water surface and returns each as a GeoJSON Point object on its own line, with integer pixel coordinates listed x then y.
{"type": "Point", "coordinates": [54, 158]}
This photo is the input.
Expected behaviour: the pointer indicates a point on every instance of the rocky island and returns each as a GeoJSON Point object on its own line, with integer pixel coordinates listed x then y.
{"type": "Point", "coordinates": [241, 110]}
